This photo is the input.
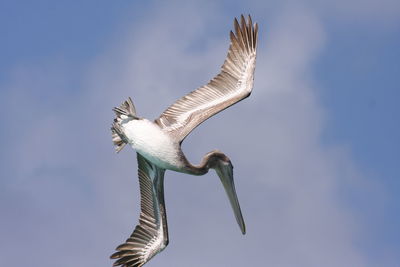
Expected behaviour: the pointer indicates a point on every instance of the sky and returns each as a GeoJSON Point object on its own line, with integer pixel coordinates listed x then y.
{"type": "Point", "coordinates": [315, 147]}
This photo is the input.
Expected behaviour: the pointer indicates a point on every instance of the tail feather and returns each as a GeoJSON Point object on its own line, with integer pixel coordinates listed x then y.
{"type": "Point", "coordinates": [126, 111]}
{"type": "Point", "coordinates": [117, 140]}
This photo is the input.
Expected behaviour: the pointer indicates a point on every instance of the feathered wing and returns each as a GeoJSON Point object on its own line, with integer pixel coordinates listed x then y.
{"type": "Point", "coordinates": [151, 234]}
{"type": "Point", "coordinates": [232, 84]}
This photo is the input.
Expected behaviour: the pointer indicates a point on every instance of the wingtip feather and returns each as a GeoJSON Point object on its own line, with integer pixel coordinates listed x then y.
{"type": "Point", "coordinates": [245, 35]}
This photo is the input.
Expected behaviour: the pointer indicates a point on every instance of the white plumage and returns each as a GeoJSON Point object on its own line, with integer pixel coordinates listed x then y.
{"type": "Point", "coordinates": [148, 139]}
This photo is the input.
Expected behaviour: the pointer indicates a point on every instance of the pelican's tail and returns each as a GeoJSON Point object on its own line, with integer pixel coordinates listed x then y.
{"type": "Point", "coordinates": [117, 136]}
{"type": "Point", "coordinates": [126, 111]}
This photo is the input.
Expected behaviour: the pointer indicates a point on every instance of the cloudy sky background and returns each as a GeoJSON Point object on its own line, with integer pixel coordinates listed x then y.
{"type": "Point", "coordinates": [315, 147]}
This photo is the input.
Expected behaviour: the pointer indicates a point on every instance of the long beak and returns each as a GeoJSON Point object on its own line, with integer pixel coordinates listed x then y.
{"type": "Point", "coordinates": [225, 173]}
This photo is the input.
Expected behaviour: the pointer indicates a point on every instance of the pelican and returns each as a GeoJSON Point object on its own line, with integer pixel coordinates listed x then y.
{"type": "Point", "coordinates": [158, 144]}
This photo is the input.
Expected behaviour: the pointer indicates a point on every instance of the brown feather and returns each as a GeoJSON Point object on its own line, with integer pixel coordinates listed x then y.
{"type": "Point", "coordinates": [232, 84]}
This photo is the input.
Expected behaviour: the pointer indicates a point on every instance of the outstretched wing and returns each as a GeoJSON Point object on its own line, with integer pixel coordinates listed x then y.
{"type": "Point", "coordinates": [150, 235]}
{"type": "Point", "coordinates": [232, 84]}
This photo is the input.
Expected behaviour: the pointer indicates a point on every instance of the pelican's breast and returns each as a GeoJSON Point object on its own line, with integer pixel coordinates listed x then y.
{"type": "Point", "coordinates": [151, 142]}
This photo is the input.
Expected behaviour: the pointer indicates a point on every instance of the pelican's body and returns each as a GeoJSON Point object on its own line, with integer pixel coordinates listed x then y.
{"type": "Point", "coordinates": [158, 144]}
{"type": "Point", "coordinates": [148, 139]}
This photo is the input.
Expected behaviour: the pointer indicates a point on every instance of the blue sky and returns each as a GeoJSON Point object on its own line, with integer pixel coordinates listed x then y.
{"type": "Point", "coordinates": [321, 187]}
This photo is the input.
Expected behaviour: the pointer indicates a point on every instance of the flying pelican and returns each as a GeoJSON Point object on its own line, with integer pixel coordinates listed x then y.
{"type": "Point", "coordinates": [158, 144]}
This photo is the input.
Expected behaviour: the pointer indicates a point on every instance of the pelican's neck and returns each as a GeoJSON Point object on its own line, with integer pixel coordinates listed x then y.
{"type": "Point", "coordinates": [196, 169]}
{"type": "Point", "coordinates": [208, 161]}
